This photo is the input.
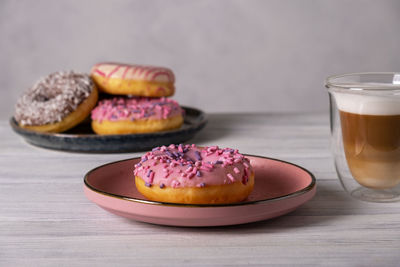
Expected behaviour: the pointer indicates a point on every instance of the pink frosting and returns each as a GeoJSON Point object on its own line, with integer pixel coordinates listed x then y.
{"type": "Point", "coordinates": [191, 166]}
{"type": "Point", "coordinates": [136, 108]}
{"type": "Point", "coordinates": [133, 72]}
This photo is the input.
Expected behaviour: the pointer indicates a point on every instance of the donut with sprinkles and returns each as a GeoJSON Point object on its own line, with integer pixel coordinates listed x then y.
{"type": "Point", "coordinates": [56, 102]}
{"type": "Point", "coordinates": [131, 115]}
{"type": "Point", "coordinates": [194, 175]}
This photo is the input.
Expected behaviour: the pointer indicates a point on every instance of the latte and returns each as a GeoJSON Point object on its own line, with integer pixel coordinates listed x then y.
{"type": "Point", "coordinates": [371, 138]}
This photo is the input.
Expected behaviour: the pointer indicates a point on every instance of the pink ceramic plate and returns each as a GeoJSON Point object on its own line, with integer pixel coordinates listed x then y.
{"type": "Point", "coordinates": [280, 187]}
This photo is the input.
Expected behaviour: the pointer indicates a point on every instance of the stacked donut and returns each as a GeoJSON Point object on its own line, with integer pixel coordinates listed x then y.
{"type": "Point", "coordinates": [139, 104]}
{"type": "Point", "coordinates": [133, 100]}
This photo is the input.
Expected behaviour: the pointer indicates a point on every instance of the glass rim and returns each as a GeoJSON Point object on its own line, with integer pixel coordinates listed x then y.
{"type": "Point", "coordinates": [330, 82]}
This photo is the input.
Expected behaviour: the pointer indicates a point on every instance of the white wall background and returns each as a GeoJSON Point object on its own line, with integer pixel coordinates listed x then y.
{"type": "Point", "coordinates": [227, 55]}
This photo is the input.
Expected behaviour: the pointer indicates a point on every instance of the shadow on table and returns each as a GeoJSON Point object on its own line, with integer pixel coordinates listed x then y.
{"type": "Point", "coordinates": [330, 203]}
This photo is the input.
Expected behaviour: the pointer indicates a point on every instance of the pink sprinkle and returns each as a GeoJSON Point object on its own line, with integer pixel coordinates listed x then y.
{"type": "Point", "coordinates": [246, 164]}
{"type": "Point", "coordinates": [190, 175]}
{"type": "Point", "coordinates": [208, 165]}
{"type": "Point", "coordinates": [172, 164]}
{"type": "Point", "coordinates": [245, 177]}
{"type": "Point", "coordinates": [237, 160]}
{"type": "Point", "coordinates": [230, 177]}
{"type": "Point", "coordinates": [197, 163]}
{"type": "Point", "coordinates": [236, 170]}
{"type": "Point", "coordinates": [193, 146]}
{"type": "Point", "coordinates": [154, 163]}
{"type": "Point", "coordinates": [204, 168]}
{"type": "Point", "coordinates": [189, 169]}
{"type": "Point", "coordinates": [141, 113]}
{"type": "Point", "coordinates": [163, 148]}
{"type": "Point", "coordinates": [175, 184]}
{"type": "Point", "coordinates": [165, 113]}
{"type": "Point", "coordinates": [172, 146]}
{"type": "Point", "coordinates": [151, 177]}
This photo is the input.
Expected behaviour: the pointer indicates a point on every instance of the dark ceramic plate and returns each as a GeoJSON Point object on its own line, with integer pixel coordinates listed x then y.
{"type": "Point", "coordinates": [83, 139]}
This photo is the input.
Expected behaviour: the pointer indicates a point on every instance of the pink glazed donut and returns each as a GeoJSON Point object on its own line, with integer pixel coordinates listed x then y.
{"type": "Point", "coordinates": [194, 175]}
{"type": "Point", "coordinates": [122, 115]}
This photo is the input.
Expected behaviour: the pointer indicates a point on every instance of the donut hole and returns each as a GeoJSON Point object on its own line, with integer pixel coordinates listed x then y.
{"type": "Point", "coordinates": [41, 98]}
{"type": "Point", "coordinates": [47, 93]}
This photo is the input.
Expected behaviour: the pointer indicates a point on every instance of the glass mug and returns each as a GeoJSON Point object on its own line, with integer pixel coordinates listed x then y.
{"type": "Point", "coordinates": [365, 129]}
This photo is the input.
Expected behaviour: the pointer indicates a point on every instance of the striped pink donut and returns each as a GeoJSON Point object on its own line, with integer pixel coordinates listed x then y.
{"type": "Point", "coordinates": [134, 72]}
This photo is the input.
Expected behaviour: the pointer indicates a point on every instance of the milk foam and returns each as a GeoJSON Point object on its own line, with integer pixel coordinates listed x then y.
{"type": "Point", "coordinates": [367, 104]}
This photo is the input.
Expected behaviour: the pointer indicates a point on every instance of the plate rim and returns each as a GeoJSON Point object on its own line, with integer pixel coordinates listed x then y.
{"type": "Point", "coordinates": [18, 129]}
{"type": "Point", "coordinates": [300, 192]}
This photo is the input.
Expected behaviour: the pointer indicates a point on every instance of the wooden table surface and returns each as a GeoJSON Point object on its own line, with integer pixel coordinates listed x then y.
{"type": "Point", "coordinates": [46, 220]}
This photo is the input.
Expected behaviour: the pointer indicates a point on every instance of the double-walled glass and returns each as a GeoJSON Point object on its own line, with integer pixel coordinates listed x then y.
{"type": "Point", "coordinates": [365, 128]}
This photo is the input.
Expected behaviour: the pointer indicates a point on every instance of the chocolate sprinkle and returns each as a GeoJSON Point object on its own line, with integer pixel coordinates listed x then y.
{"type": "Point", "coordinates": [53, 98]}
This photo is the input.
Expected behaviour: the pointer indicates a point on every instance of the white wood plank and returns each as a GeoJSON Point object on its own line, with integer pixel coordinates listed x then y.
{"type": "Point", "coordinates": [45, 219]}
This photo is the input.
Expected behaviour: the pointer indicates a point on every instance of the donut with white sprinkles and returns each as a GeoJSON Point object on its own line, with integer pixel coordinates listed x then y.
{"type": "Point", "coordinates": [56, 102]}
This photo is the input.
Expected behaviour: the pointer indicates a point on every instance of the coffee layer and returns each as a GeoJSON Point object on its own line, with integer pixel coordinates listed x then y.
{"type": "Point", "coordinates": [372, 148]}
